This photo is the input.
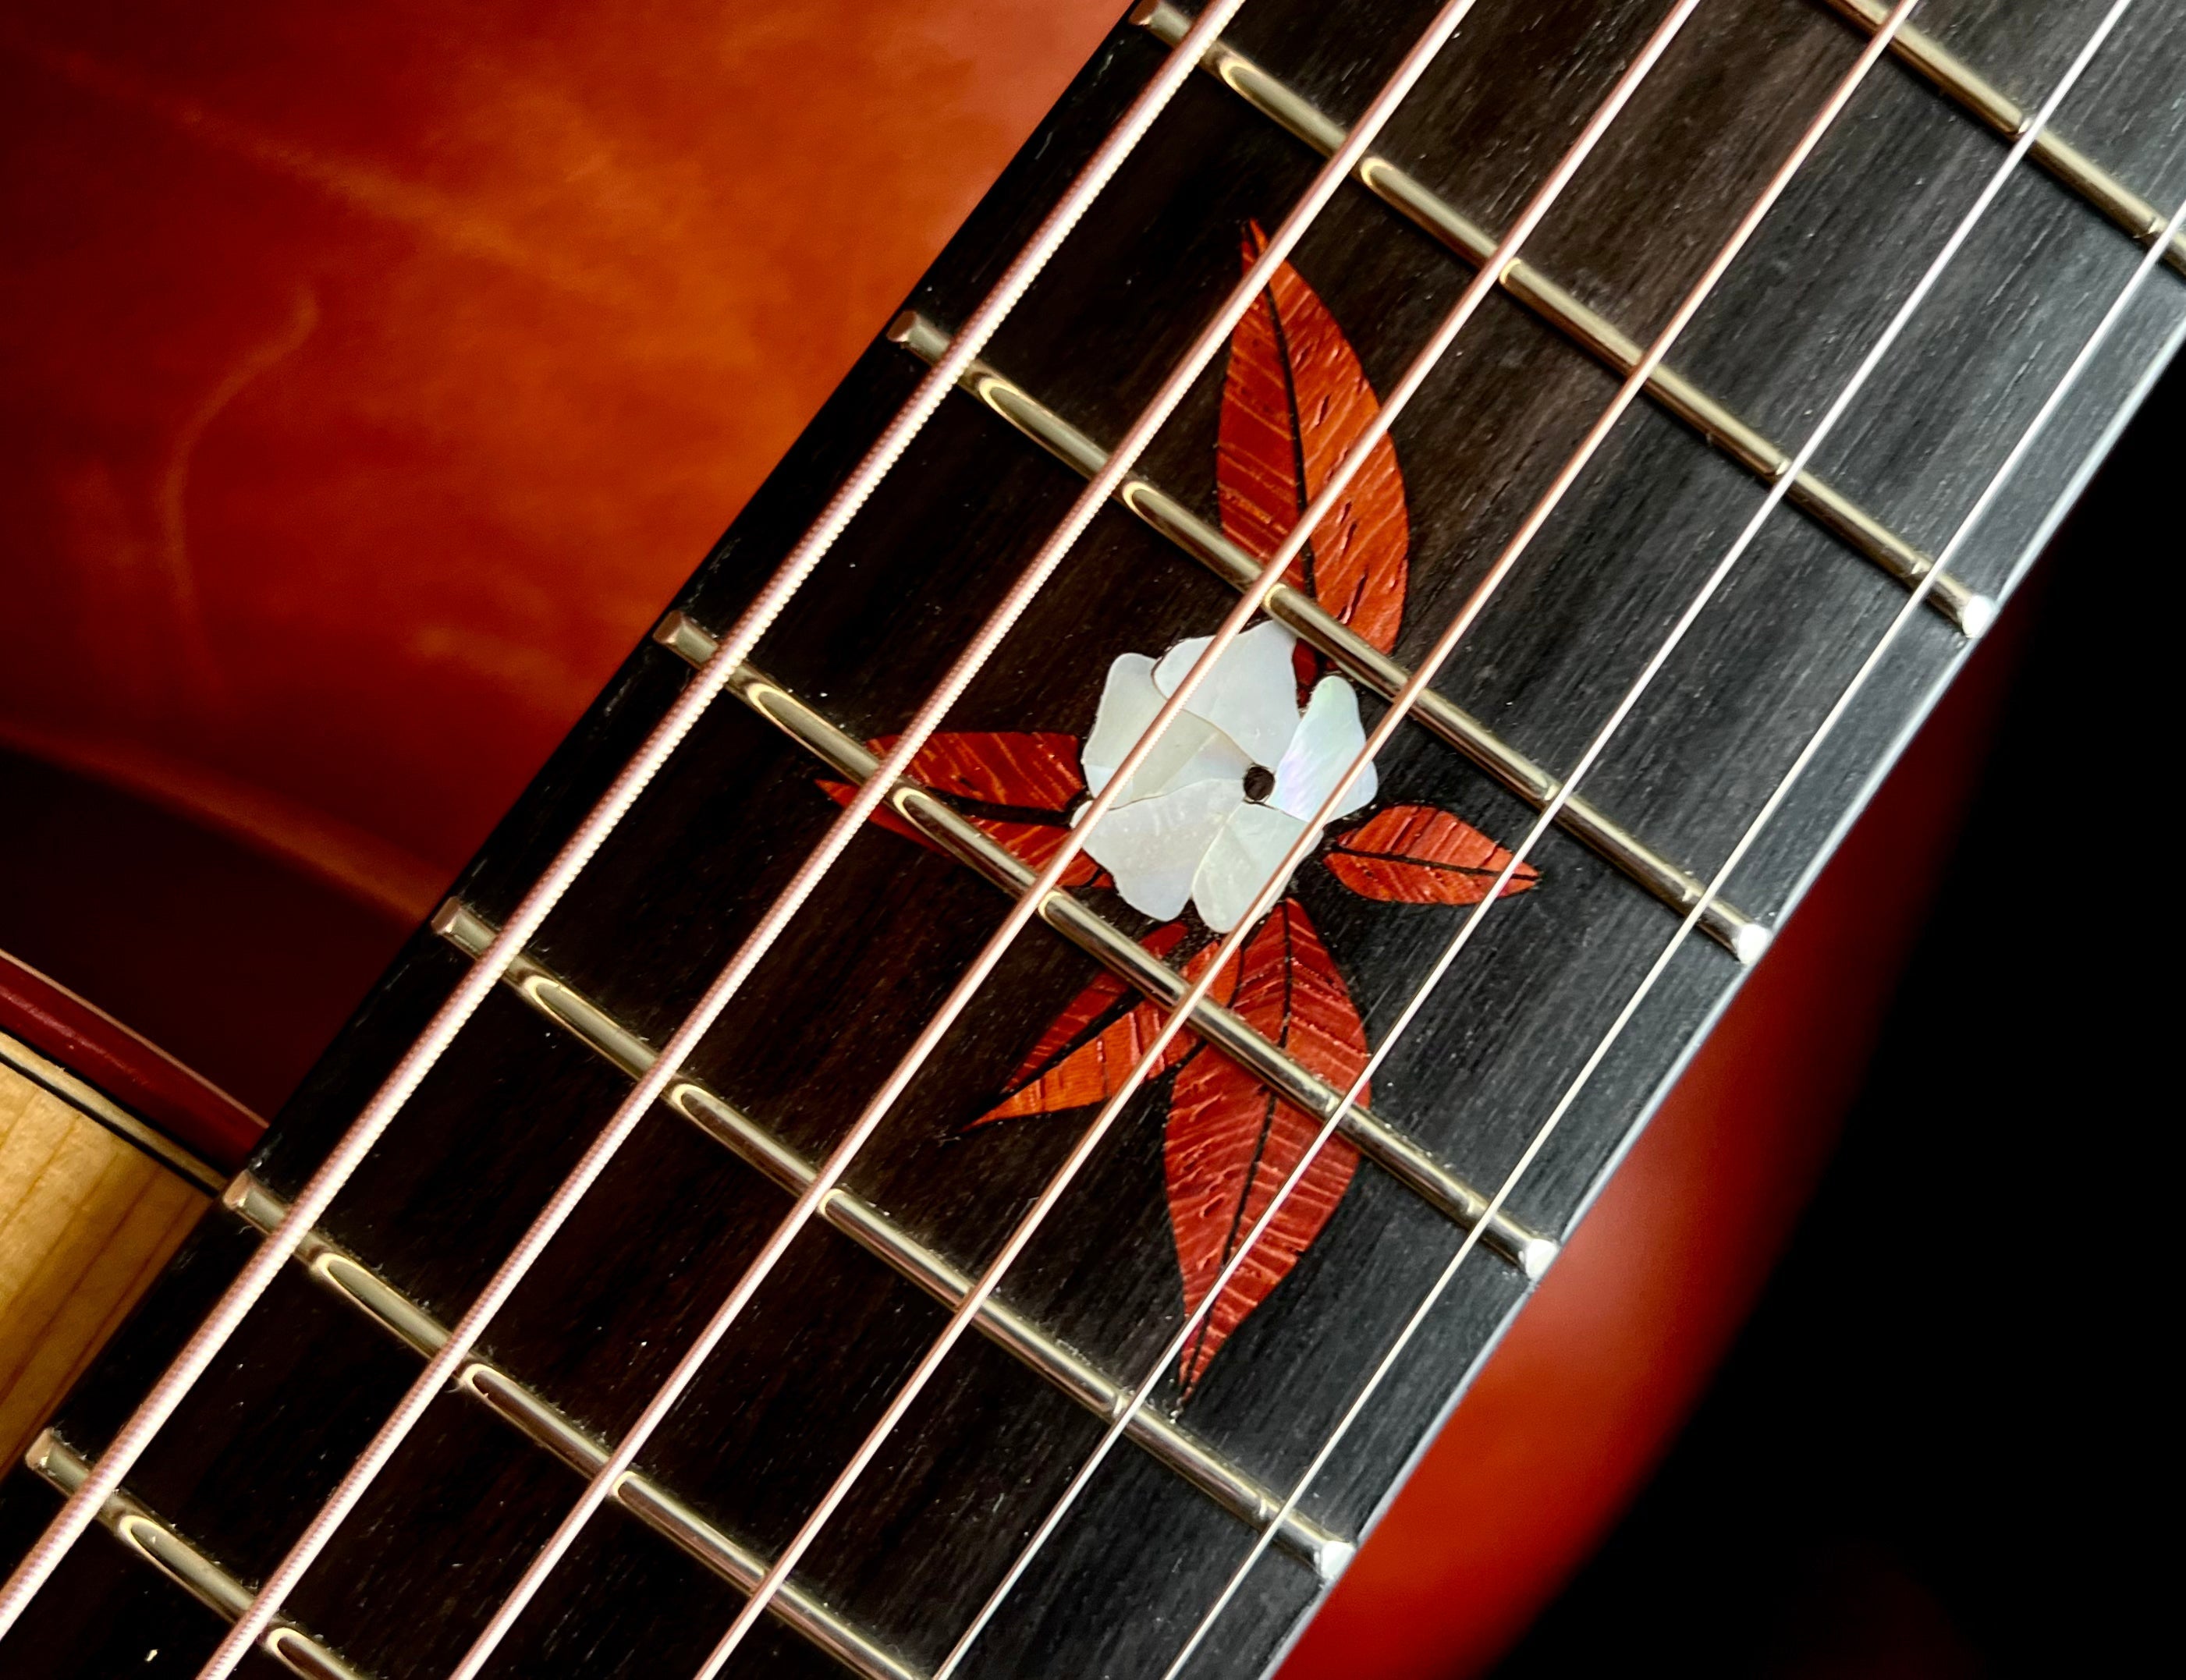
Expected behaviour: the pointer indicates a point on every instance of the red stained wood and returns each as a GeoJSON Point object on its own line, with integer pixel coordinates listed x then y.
{"type": "Point", "coordinates": [373, 376]}
{"type": "Point", "coordinates": [1037, 768]}
{"type": "Point", "coordinates": [1294, 401]}
{"type": "Point", "coordinates": [1231, 1143]}
{"type": "Point", "coordinates": [1415, 854]}
{"type": "Point", "coordinates": [1089, 1050]}
{"type": "Point", "coordinates": [1031, 770]}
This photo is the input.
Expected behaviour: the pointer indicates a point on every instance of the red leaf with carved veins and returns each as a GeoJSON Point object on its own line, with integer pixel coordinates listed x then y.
{"type": "Point", "coordinates": [1415, 854]}
{"type": "Point", "coordinates": [1021, 771]}
{"type": "Point", "coordinates": [1294, 402]}
{"type": "Point", "coordinates": [1089, 1049]}
{"type": "Point", "coordinates": [1034, 769]}
{"type": "Point", "coordinates": [1231, 1142]}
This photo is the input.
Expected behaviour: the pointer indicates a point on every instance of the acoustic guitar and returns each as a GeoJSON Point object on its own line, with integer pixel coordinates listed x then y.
{"type": "Point", "coordinates": [1130, 1012]}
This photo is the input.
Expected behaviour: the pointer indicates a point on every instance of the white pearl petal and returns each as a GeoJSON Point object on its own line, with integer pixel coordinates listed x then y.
{"type": "Point", "coordinates": [1328, 736]}
{"type": "Point", "coordinates": [1152, 847]}
{"type": "Point", "coordinates": [1252, 693]}
{"type": "Point", "coordinates": [1127, 704]}
{"type": "Point", "coordinates": [1190, 750]}
{"type": "Point", "coordinates": [1241, 860]}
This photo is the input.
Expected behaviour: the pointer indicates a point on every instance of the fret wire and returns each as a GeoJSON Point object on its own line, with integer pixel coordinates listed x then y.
{"type": "Point", "coordinates": [1446, 644]}
{"type": "Point", "coordinates": [1958, 81]}
{"type": "Point", "coordinates": [1839, 709]}
{"type": "Point", "coordinates": [155, 1540]}
{"type": "Point", "coordinates": [1970, 611]}
{"type": "Point", "coordinates": [1386, 1145]}
{"type": "Point", "coordinates": [1167, 1442]}
{"type": "Point", "coordinates": [1183, 377]}
{"type": "Point", "coordinates": [1730, 927]}
{"type": "Point", "coordinates": [786, 905]}
{"type": "Point", "coordinates": [348, 1279]}
{"type": "Point", "coordinates": [1371, 437]}
{"type": "Point", "coordinates": [181, 1373]}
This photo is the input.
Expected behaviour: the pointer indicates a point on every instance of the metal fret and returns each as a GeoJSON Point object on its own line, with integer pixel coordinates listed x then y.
{"type": "Point", "coordinates": [1729, 926]}
{"type": "Point", "coordinates": [1768, 461]}
{"type": "Point", "coordinates": [347, 1277]}
{"type": "Point", "coordinates": [1401, 1156]}
{"type": "Point", "coordinates": [1166, 1441]}
{"type": "Point", "coordinates": [1965, 86]}
{"type": "Point", "coordinates": [153, 1539]}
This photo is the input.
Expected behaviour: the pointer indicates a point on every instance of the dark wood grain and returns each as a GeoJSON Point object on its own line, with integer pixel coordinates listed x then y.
{"type": "Point", "coordinates": [936, 1521]}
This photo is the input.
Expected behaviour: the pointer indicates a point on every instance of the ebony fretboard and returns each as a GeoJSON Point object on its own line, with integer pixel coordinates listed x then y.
{"type": "Point", "coordinates": [939, 1517]}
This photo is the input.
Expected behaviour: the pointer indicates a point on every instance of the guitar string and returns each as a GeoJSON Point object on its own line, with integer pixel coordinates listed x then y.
{"type": "Point", "coordinates": [1241, 1251]}
{"type": "Point", "coordinates": [167, 1393]}
{"type": "Point", "coordinates": [911, 1389]}
{"type": "Point", "coordinates": [1094, 1133]}
{"type": "Point", "coordinates": [2150, 261]}
{"type": "Point", "coordinates": [415, 1403]}
{"type": "Point", "coordinates": [1028, 903]}
{"type": "Point", "coordinates": [1272, 574]}
{"type": "Point", "coordinates": [1146, 1061]}
{"type": "Point", "coordinates": [1998, 483]}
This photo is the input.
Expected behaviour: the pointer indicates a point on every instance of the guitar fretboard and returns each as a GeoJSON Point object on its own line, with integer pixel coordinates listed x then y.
{"type": "Point", "coordinates": [1496, 1107]}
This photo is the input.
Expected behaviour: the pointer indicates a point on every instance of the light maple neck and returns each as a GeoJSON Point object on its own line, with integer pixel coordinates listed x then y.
{"type": "Point", "coordinates": [1423, 1049]}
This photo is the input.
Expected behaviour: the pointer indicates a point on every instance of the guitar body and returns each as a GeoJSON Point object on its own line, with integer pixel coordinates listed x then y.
{"type": "Point", "coordinates": [375, 376]}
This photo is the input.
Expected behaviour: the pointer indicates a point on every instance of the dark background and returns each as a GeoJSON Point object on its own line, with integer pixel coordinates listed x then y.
{"type": "Point", "coordinates": [1937, 1449]}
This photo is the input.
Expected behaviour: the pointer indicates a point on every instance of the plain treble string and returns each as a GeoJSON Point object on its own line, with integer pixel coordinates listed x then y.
{"type": "Point", "coordinates": [1275, 567]}
{"type": "Point", "coordinates": [1089, 503]}
{"type": "Point", "coordinates": [1839, 709]}
{"type": "Point", "coordinates": [167, 1393]}
{"type": "Point", "coordinates": [1401, 703]}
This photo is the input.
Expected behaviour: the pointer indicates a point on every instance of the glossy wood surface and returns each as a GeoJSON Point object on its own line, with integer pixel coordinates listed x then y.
{"type": "Point", "coordinates": [374, 373]}
{"type": "Point", "coordinates": [387, 374]}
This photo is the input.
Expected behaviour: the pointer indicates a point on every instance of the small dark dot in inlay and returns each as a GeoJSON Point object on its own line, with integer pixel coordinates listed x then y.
{"type": "Point", "coordinates": [1259, 782]}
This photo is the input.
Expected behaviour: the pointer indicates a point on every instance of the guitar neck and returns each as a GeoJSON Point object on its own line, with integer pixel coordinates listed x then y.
{"type": "Point", "coordinates": [1687, 676]}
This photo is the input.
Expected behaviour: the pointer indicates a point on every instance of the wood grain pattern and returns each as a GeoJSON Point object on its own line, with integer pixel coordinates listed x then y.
{"type": "Point", "coordinates": [86, 1221]}
{"type": "Point", "coordinates": [1088, 1049]}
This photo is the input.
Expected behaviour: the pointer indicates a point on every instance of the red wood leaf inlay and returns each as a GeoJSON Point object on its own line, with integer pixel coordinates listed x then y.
{"type": "Point", "coordinates": [1089, 1050]}
{"type": "Point", "coordinates": [1036, 769]}
{"type": "Point", "coordinates": [1294, 402]}
{"type": "Point", "coordinates": [1020, 770]}
{"type": "Point", "coordinates": [1231, 1142]}
{"type": "Point", "coordinates": [1415, 854]}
